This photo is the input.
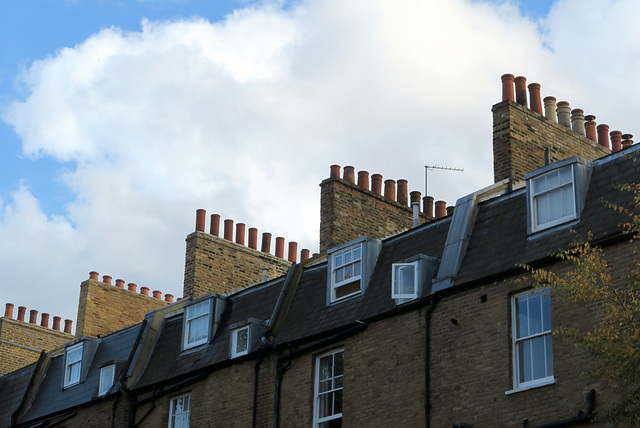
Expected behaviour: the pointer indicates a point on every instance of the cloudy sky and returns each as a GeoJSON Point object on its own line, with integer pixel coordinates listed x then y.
{"type": "Point", "coordinates": [121, 118]}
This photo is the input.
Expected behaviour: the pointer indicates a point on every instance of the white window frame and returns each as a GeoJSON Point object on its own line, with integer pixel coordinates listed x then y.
{"type": "Point", "coordinates": [183, 415]}
{"type": "Point", "coordinates": [73, 365]}
{"type": "Point", "coordinates": [201, 320]}
{"type": "Point", "coordinates": [338, 264]}
{"type": "Point", "coordinates": [568, 186]}
{"type": "Point", "coordinates": [234, 341]}
{"type": "Point", "coordinates": [395, 277]}
{"type": "Point", "coordinates": [519, 340]}
{"type": "Point", "coordinates": [107, 376]}
{"type": "Point", "coordinates": [317, 420]}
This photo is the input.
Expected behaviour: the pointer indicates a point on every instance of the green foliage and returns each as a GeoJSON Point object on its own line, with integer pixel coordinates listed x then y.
{"type": "Point", "coordinates": [615, 340]}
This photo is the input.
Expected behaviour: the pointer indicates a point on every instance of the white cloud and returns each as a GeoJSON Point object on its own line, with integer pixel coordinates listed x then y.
{"type": "Point", "coordinates": [244, 117]}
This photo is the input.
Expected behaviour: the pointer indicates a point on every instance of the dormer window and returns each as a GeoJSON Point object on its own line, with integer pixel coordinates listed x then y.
{"type": "Point", "coordinates": [404, 278]}
{"type": "Point", "coordinates": [556, 193]}
{"type": "Point", "coordinates": [347, 270]}
{"type": "Point", "coordinates": [240, 342]}
{"type": "Point", "coordinates": [196, 324]}
{"type": "Point", "coordinates": [107, 376]}
{"type": "Point", "coordinates": [350, 267]}
{"type": "Point", "coordinates": [73, 365]}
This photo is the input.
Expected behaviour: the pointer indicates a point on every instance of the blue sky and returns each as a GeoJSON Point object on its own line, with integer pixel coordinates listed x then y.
{"type": "Point", "coordinates": [121, 118]}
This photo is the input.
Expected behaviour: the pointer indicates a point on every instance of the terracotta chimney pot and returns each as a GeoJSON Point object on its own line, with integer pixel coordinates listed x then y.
{"type": "Point", "coordinates": [304, 255]}
{"type": "Point", "coordinates": [507, 87]}
{"type": "Point", "coordinates": [200, 219]}
{"type": "Point", "coordinates": [415, 197]}
{"type": "Point", "coordinates": [8, 310]}
{"type": "Point", "coordinates": [168, 298]}
{"type": "Point", "coordinates": [363, 179]}
{"type": "Point", "coordinates": [428, 206]}
{"type": "Point", "coordinates": [616, 141]}
{"type": "Point", "coordinates": [534, 95]}
{"type": "Point", "coordinates": [390, 189]}
{"type": "Point", "coordinates": [335, 171]}
{"type": "Point", "coordinates": [240, 232]}
{"type": "Point", "coordinates": [280, 247]}
{"type": "Point", "coordinates": [293, 252]}
{"type": "Point", "coordinates": [106, 279]}
{"type": "Point", "coordinates": [228, 229]}
{"type": "Point", "coordinates": [450, 210]}
{"type": "Point", "coordinates": [157, 294]}
{"type": "Point", "coordinates": [21, 312]}
{"type": "Point", "coordinates": [550, 109]}
{"type": "Point", "coordinates": [33, 316]}
{"type": "Point", "coordinates": [441, 209]}
{"type": "Point", "coordinates": [349, 172]}
{"type": "Point", "coordinates": [132, 287]}
{"type": "Point", "coordinates": [521, 90]}
{"type": "Point", "coordinates": [56, 323]}
{"type": "Point", "coordinates": [403, 198]}
{"type": "Point", "coordinates": [627, 140]}
{"type": "Point", "coordinates": [94, 275]}
{"type": "Point", "coordinates": [590, 128]}
{"type": "Point", "coordinates": [603, 135]}
{"type": "Point", "coordinates": [67, 326]}
{"type": "Point", "coordinates": [214, 229]}
{"type": "Point", "coordinates": [253, 238]}
{"type": "Point", "coordinates": [144, 291]}
{"type": "Point", "coordinates": [376, 184]}
{"type": "Point", "coordinates": [44, 320]}
{"type": "Point", "coordinates": [266, 242]}
{"type": "Point", "coordinates": [120, 283]}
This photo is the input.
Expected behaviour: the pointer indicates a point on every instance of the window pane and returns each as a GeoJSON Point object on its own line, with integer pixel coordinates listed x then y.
{"type": "Point", "coordinates": [555, 204]}
{"type": "Point", "coordinates": [338, 363]}
{"type": "Point", "coordinates": [549, 352]}
{"type": "Point", "coordinates": [568, 203]}
{"type": "Point", "coordinates": [535, 314]}
{"type": "Point", "coordinates": [325, 405]}
{"type": "Point", "coordinates": [542, 208]}
{"type": "Point", "coordinates": [552, 179]}
{"type": "Point", "coordinates": [405, 280]}
{"type": "Point", "coordinates": [347, 257]}
{"type": "Point", "coordinates": [546, 310]}
{"type": "Point", "coordinates": [356, 268]}
{"type": "Point", "coordinates": [538, 357]}
{"type": "Point", "coordinates": [339, 275]}
{"type": "Point", "coordinates": [523, 317]}
{"type": "Point", "coordinates": [524, 359]}
{"type": "Point", "coordinates": [326, 368]}
{"type": "Point", "coordinates": [539, 185]}
{"type": "Point", "coordinates": [565, 176]}
{"type": "Point", "coordinates": [242, 337]}
{"type": "Point", "coordinates": [357, 253]}
{"type": "Point", "coordinates": [337, 402]}
{"type": "Point", "coordinates": [338, 260]}
{"type": "Point", "coordinates": [106, 379]}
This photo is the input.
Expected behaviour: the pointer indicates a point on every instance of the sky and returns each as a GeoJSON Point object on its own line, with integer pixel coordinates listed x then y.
{"type": "Point", "coordinates": [118, 119]}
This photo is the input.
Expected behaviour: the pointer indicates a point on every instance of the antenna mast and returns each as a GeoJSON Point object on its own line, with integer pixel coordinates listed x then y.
{"type": "Point", "coordinates": [426, 174]}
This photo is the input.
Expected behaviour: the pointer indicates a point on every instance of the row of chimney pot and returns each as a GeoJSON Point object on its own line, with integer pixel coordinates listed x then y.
{"type": "Point", "coordinates": [132, 287]}
{"type": "Point", "coordinates": [33, 318]}
{"type": "Point", "coordinates": [390, 190]}
{"type": "Point", "coordinates": [563, 114]}
{"type": "Point", "coordinates": [201, 216]}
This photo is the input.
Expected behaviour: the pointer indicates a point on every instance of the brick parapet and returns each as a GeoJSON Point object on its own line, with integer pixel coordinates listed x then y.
{"type": "Point", "coordinates": [349, 211]}
{"type": "Point", "coordinates": [104, 308]}
{"type": "Point", "coordinates": [21, 343]}
{"type": "Point", "coordinates": [521, 136]}
{"type": "Point", "coordinates": [216, 265]}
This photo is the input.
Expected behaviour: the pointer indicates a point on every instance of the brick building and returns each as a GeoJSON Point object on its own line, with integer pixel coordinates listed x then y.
{"type": "Point", "coordinates": [407, 317]}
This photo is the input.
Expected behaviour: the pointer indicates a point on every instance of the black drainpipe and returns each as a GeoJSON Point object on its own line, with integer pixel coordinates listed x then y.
{"type": "Point", "coordinates": [255, 388]}
{"type": "Point", "coordinates": [427, 361]}
{"type": "Point", "coordinates": [283, 362]}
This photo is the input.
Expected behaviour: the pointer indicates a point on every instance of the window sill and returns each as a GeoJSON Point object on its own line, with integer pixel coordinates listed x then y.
{"type": "Point", "coordinates": [542, 382]}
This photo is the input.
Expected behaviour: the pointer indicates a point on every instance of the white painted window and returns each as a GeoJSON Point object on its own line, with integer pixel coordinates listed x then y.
{"type": "Point", "coordinates": [328, 390]}
{"type": "Point", "coordinates": [346, 272]}
{"type": "Point", "coordinates": [107, 374]}
{"type": "Point", "coordinates": [532, 350]}
{"type": "Point", "coordinates": [240, 342]}
{"type": "Point", "coordinates": [180, 410]}
{"type": "Point", "coordinates": [553, 198]}
{"type": "Point", "coordinates": [404, 279]}
{"type": "Point", "coordinates": [196, 324]}
{"type": "Point", "coordinates": [73, 365]}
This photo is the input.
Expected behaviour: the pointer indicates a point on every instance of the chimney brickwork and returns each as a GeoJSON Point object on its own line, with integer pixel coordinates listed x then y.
{"type": "Point", "coordinates": [216, 265]}
{"type": "Point", "coordinates": [21, 343]}
{"type": "Point", "coordinates": [105, 308]}
{"type": "Point", "coordinates": [349, 211]}
{"type": "Point", "coordinates": [521, 136]}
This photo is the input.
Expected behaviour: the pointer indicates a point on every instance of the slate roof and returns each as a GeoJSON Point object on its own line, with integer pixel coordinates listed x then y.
{"type": "Point", "coordinates": [499, 241]}
{"type": "Point", "coordinates": [51, 398]}
{"type": "Point", "coordinates": [12, 388]}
